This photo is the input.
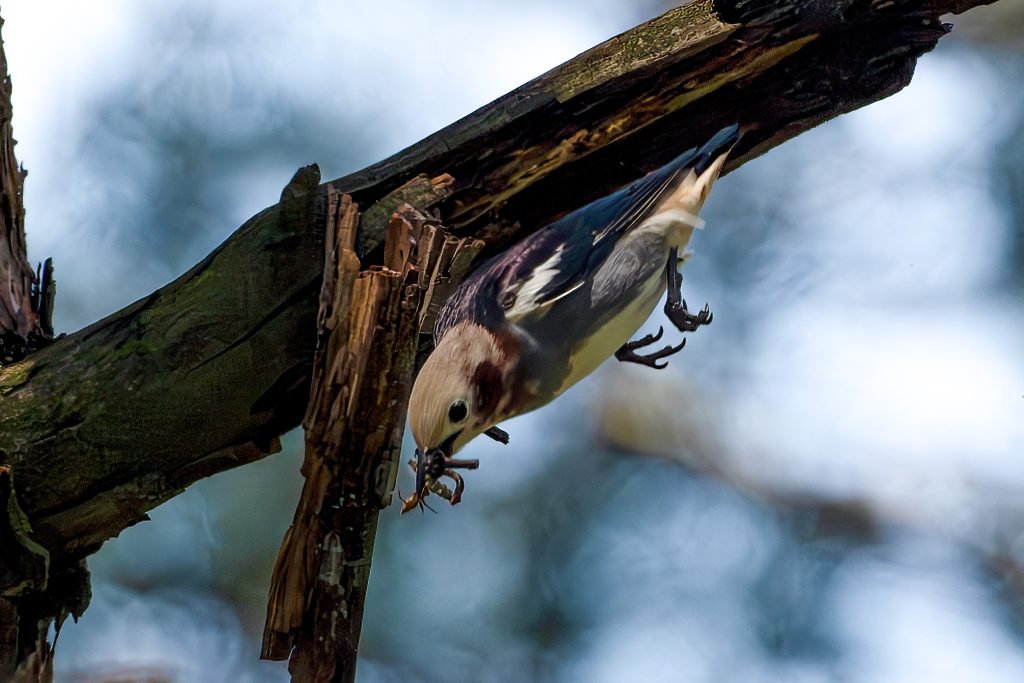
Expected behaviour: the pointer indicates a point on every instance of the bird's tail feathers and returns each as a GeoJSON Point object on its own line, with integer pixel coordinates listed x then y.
{"type": "Point", "coordinates": [714, 150]}
{"type": "Point", "coordinates": [677, 211]}
{"type": "Point", "coordinates": [701, 166]}
{"type": "Point", "coordinates": [693, 188]}
{"type": "Point", "coordinates": [703, 180]}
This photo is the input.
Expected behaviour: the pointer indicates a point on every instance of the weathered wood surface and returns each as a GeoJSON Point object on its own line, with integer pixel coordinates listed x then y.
{"type": "Point", "coordinates": [369, 326]}
{"type": "Point", "coordinates": [16, 315]}
{"type": "Point", "coordinates": [205, 373]}
{"type": "Point", "coordinates": [21, 326]}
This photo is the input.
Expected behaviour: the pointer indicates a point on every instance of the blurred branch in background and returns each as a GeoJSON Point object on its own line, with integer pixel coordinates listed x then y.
{"type": "Point", "coordinates": [668, 418]}
{"type": "Point", "coordinates": [182, 361]}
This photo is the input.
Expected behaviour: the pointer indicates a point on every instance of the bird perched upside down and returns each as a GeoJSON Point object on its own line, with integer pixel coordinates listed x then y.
{"type": "Point", "coordinates": [531, 322]}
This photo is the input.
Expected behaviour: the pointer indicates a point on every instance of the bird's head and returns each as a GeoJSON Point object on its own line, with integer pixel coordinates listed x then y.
{"type": "Point", "coordinates": [460, 390]}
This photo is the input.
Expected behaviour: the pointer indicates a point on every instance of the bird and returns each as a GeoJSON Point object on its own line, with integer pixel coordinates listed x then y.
{"type": "Point", "coordinates": [532, 321]}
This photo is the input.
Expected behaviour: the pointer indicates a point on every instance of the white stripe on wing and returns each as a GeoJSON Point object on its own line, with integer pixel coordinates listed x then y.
{"type": "Point", "coordinates": [529, 292]}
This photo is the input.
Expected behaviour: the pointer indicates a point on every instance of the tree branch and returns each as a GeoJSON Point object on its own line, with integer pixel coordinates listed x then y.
{"type": "Point", "coordinates": [369, 327]}
{"type": "Point", "coordinates": [205, 373]}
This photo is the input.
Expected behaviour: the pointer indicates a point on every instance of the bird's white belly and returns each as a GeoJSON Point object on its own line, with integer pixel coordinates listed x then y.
{"type": "Point", "coordinates": [616, 332]}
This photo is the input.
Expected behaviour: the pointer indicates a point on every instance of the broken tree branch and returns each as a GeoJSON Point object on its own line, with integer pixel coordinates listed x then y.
{"type": "Point", "coordinates": [205, 373]}
{"type": "Point", "coordinates": [369, 327]}
{"type": "Point", "coordinates": [26, 305]}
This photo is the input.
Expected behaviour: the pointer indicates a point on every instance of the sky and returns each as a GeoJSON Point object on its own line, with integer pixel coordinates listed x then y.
{"type": "Point", "coordinates": [865, 348]}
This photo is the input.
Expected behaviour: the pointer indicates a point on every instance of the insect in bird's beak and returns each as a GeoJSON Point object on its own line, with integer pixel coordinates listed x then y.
{"type": "Point", "coordinates": [421, 491]}
{"type": "Point", "coordinates": [430, 467]}
{"type": "Point", "coordinates": [432, 464]}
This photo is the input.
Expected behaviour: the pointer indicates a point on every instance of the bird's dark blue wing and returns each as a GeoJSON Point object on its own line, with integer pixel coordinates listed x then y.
{"type": "Point", "coordinates": [558, 259]}
{"type": "Point", "coordinates": [549, 264]}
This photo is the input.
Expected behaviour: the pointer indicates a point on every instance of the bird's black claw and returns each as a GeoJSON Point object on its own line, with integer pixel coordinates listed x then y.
{"type": "Point", "coordinates": [675, 304]}
{"type": "Point", "coordinates": [643, 341]}
{"type": "Point", "coordinates": [627, 353]}
{"type": "Point", "coordinates": [686, 321]}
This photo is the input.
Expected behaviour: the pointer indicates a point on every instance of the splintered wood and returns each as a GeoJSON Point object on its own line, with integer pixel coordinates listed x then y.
{"type": "Point", "coordinates": [26, 302]}
{"type": "Point", "coordinates": [369, 327]}
{"type": "Point", "coordinates": [16, 314]}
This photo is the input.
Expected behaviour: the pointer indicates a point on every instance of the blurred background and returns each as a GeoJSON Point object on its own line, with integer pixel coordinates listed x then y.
{"type": "Point", "coordinates": [827, 484]}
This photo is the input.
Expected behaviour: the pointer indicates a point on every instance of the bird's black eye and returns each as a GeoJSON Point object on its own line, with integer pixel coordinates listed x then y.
{"type": "Point", "coordinates": [458, 412]}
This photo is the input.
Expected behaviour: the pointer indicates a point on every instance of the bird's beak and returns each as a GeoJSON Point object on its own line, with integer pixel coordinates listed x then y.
{"type": "Point", "coordinates": [421, 472]}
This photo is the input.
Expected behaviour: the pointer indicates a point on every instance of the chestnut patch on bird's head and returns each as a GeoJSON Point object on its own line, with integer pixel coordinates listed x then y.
{"type": "Point", "coordinates": [487, 381]}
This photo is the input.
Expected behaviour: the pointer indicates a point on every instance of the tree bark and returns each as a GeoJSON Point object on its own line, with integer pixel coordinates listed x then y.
{"type": "Point", "coordinates": [370, 323]}
{"type": "Point", "coordinates": [205, 373]}
{"type": "Point", "coordinates": [25, 306]}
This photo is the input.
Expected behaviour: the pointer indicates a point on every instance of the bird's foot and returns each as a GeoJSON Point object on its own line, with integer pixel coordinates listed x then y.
{"type": "Point", "coordinates": [435, 466]}
{"type": "Point", "coordinates": [675, 304]}
{"type": "Point", "coordinates": [627, 352]}
{"type": "Point", "coordinates": [683, 319]}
